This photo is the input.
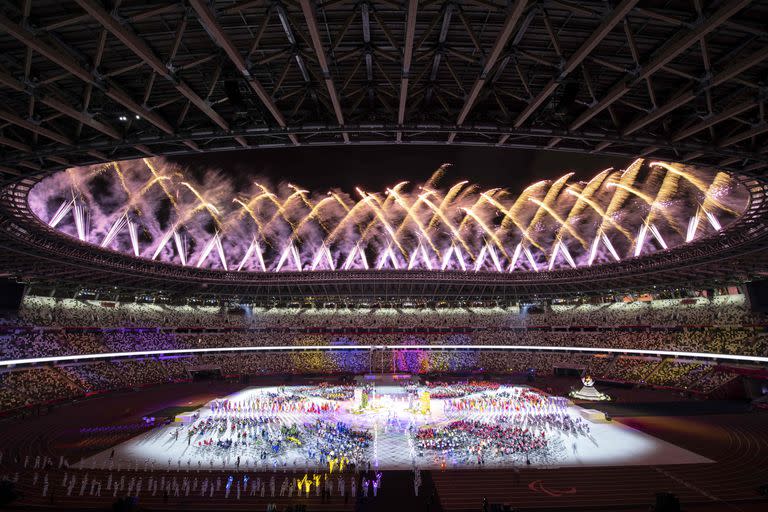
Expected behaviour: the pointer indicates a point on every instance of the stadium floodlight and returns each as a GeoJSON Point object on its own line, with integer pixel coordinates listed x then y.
{"type": "Point", "coordinates": [283, 257]}
{"type": "Point", "coordinates": [554, 256]}
{"type": "Point", "coordinates": [112, 233]}
{"type": "Point", "coordinates": [658, 237]}
{"type": "Point", "coordinates": [593, 250]}
{"type": "Point", "coordinates": [220, 250]}
{"type": "Point", "coordinates": [460, 257]}
{"type": "Point", "coordinates": [494, 257]}
{"type": "Point", "coordinates": [163, 241]}
{"type": "Point", "coordinates": [253, 246]}
{"type": "Point", "coordinates": [567, 254]}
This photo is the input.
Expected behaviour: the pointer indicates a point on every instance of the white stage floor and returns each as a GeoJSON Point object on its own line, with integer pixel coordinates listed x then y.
{"type": "Point", "coordinates": [392, 428]}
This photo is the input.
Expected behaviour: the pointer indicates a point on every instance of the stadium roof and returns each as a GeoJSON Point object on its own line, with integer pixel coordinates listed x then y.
{"type": "Point", "coordinates": [85, 81]}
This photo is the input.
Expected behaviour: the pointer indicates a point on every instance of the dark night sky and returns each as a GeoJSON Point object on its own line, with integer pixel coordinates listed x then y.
{"type": "Point", "coordinates": [375, 168]}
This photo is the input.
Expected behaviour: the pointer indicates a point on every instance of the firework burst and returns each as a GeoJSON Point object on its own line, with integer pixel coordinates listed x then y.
{"type": "Point", "coordinates": [152, 209]}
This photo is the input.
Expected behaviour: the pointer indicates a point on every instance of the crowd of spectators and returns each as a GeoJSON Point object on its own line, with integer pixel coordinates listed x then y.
{"type": "Point", "coordinates": [632, 369]}
{"type": "Point", "coordinates": [721, 310]}
{"type": "Point", "coordinates": [712, 379]}
{"type": "Point", "coordinates": [50, 327]}
{"type": "Point", "coordinates": [671, 372]}
{"type": "Point", "coordinates": [45, 384]}
{"type": "Point", "coordinates": [714, 340]}
{"type": "Point", "coordinates": [28, 387]}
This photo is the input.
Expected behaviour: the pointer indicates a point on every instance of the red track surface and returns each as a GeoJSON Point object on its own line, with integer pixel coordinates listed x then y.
{"type": "Point", "coordinates": [737, 442]}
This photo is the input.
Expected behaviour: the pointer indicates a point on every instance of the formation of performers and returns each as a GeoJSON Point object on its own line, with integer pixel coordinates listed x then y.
{"type": "Point", "coordinates": [329, 392]}
{"type": "Point", "coordinates": [337, 442]}
{"type": "Point", "coordinates": [250, 437]}
{"type": "Point", "coordinates": [274, 403]}
{"type": "Point", "coordinates": [283, 428]}
{"type": "Point", "coordinates": [506, 402]}
{"type": "Point", "coordinates": [523, 420]}
{"type": "Point", "coordinates": [468, 440]}
{"type": "Point", "coordinates": [561, 422]}
{"type": "Point", "coordinates": [320, 443]}
{"type": "Point", "coordinates": [43, 476]}
{"type": "Point", "coordinates": [236, 426]}
{"type": "Point", "coordinates": [442, 390]}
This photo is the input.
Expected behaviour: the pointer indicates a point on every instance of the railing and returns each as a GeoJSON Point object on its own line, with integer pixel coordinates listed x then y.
{"type": "Point", "coordinates": [734, 358]}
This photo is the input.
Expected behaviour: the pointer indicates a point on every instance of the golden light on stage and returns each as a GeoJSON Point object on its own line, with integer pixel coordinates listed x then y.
{"type": "Point", "coordinates": [544, 206]}
{"type": "Point", "coordinates": [312, 213]}
{"type": "Point", "coordinates": [666, 192]}
{"type": "Point", "coordinates": [425, 402]}
{"type": "Point", "coordinates": [350, 212]}
{"type": "Point", "coordinates": [484, 196]}
{"type": "Point", "coordinates": [645, 197]}
{"type": "Point", "coordinates": [119, 172]}
{"type": "Point", "coordinates": [385, 206]}
{"type": "Point", "coordinates": [373, 203]}
{"type": "Point", "coordinates": [437, 175]}
{"type": "Point", "coordinates": [282, 210]}
{"type": "Point", "coordinates": [650, 201]}
{"type": "Point", "coordinates": [254, 217]}
{"type": "Point", "coordinates": [583, 199]}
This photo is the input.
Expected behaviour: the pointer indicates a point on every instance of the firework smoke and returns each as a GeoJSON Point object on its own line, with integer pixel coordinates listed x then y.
{"type": "Point", "coordinates": [155, 210]}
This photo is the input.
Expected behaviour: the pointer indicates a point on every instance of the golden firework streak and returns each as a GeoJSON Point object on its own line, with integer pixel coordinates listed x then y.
{"type": "Point", "coordinates": [522, 230]}
{"type": "Point", "coordinates": [448, 224]}
{"type": "Point", "coordinates": [696, 182]}
{"type": "Point", "coordinates": [559, 219]}
{"type": "Point", "coordinates": [596, 207]}
{"type": "Point", "coordinates": [487, 231]}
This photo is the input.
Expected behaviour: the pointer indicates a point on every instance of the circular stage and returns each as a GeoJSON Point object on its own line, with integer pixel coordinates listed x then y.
{"type": "Point", "coordinates": [434, 426]}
